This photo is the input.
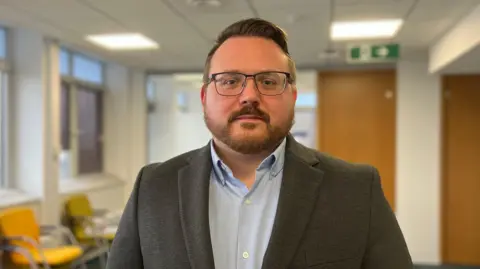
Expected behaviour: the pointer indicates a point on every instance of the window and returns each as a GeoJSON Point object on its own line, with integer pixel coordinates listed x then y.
{"type": "Point", "coordinates": [81, 114]}
{"type": "Point", "coordinates": [64, 62]}
{"type": "Point", "coordinates": [80, 67]}
{"type": "Point", "coordinates": [3, 43]}
{"type": "Point", "coordinates": [3, 130]}
{"type": "Point", "coordinates": [3, 109]}
{"type": "Point", "coordinates": [87, 69]}
{"type": "Point", "coordinates": [306, 100]}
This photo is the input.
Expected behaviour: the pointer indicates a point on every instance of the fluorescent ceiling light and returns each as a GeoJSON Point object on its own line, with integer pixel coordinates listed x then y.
{"type": "Point", "coordinates": [365, 29]}
{"type": "Point", "coordinates": [126, 41]}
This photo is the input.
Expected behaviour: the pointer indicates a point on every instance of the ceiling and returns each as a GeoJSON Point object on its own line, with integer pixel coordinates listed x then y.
{"type": "Point", "coordinates": [186, 32]}
{"type": "Point", "coordinates": [465, 64]}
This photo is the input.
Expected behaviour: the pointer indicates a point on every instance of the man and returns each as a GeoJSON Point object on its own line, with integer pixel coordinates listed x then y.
{"type": "Point", "coordinates": [254, 197]}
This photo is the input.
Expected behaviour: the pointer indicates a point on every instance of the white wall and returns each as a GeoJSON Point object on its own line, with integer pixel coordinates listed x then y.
{"type": "Point", "coordinates": [306, 108]}
{"type": "Point", "coordinates": [190, 125]}
{"type": "Point", "coordinates": [418, 159]}
{"type": "Point", "coordinates": [305, 124]}
{"type": "Point", "coordinates": [172, 131]}
{"type": "Point", "coordinates": [35, 130]}
{"type": "Point", "coordinates": [116, 122]}
{"type": "Point", "coordinates": [125, 128]}
{"type": "Point", "coordinates": [160, 124]}
{"type": "Point", "coordinates": [27, 112]}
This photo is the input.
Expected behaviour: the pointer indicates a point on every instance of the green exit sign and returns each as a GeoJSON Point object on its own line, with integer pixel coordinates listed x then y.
{"type": "Point", "coordinates": [373, 53]}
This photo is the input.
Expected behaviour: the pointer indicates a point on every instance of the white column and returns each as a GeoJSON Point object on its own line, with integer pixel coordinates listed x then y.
{"type": "Point", "coordinates": [52, 202]}
{"type": "Point", "coordinates": [418, 160]}
{"type": "Point", "coordinates": [137, 108]}
{"type": "Point", "coordinates": [116, 123]}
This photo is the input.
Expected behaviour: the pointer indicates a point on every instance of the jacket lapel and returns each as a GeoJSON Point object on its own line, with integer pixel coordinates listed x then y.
{"type": "Point", "coordinates": [299, 191]}
{"type": "Point", "coordinates": [193, 185]}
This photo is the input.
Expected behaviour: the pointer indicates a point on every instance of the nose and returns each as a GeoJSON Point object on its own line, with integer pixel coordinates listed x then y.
{"type": "Point", "coordinates": [250, 94]}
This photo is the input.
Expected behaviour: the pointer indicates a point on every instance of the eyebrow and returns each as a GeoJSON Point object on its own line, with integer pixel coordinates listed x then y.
{"type": "Point", "coordinates": [238, 71]}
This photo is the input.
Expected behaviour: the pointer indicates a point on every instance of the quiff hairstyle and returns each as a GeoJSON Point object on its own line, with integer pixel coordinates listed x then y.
{"type": "Point", "coordinates": [253, 27]}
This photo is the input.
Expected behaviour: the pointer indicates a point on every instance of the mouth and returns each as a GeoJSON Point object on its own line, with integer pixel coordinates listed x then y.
{"type": "Point", "coordinates": [249, 118]}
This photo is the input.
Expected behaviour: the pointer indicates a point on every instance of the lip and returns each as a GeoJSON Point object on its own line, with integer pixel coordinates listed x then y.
{"type": "Point", "coordinates": [249, 118]}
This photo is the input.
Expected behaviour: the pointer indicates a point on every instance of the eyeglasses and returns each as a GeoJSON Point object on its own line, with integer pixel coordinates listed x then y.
{"type": "Point", "coordinates": [267, 83]}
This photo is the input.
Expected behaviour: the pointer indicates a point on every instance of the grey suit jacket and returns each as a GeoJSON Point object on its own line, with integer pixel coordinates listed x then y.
{"type": "Point", "coordinates": [331, 214]}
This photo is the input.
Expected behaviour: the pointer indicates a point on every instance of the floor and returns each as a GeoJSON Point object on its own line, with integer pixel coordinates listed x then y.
{"type": "Point", "coordinates": [446, 267]}
{"type": "Point", "coordinates": [96, 266]}
{"type": "Point", "coordinates": [92, 266]}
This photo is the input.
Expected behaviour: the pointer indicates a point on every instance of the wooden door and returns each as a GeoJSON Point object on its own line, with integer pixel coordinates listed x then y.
{"type": "Point", "coordinates": [461, 174]}
{"type": "Point", "coordinates": [357, 120]}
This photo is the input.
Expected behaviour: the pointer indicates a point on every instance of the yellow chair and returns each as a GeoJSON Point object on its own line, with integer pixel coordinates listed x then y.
{"type": "Point", "coordinates": [5, 247]}
{"type": "Point", "coordinates": [89, 225]}
{"type": "Point", "coordinates": [20, 229]}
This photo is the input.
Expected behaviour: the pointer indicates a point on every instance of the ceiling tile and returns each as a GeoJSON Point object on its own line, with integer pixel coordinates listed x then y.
{"type": "Point", "coordinates": [69, 15]}
{"type": "Point", "coordinates": [226, 7]}
{"type": "Point", "coordinates": [159, 22]}
{"type": "Point", "coordinates": [372, 9]}
{"type": "Point", "coordinates": [290, 5]}
{"type": "Point", "coordinates": [149, 16]}
{"type": "Point", "coordinates": [213, 24]}
{"type": "Point", "coordinates": [431, 18]}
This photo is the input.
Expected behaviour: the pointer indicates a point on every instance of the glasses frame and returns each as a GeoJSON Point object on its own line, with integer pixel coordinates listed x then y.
{"type": "Point", "coordinates": [288, 80]}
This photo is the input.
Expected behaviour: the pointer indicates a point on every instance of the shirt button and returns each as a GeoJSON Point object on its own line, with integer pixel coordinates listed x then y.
{"type": "Point", "coordinates": [245, 255]}
{"type": "Point", "coordinates": [247, 202]}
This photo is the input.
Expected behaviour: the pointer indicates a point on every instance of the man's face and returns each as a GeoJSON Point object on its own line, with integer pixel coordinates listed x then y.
{"type": "Point", "coordinates": [249, 122]}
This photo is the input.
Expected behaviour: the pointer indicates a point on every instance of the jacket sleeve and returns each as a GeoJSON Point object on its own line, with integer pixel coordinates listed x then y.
{"type": "Point", "coordinates": [386, 247]}
{"type": "Point", "coordinates": [125, 251]}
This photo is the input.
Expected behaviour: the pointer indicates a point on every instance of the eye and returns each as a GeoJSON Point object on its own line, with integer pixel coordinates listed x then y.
{"type": "Point", "coordinates": [269, 82]}
{"type": "Point", "coordinates": [229, 82]}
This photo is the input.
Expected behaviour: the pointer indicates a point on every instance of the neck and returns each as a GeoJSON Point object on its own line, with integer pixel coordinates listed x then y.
{"type": "Point", "coordinates": [243, 166]}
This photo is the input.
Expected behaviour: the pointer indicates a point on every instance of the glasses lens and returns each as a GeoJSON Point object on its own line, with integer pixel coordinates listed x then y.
{"type": "Point", "coordinates": [271, 83]}
{"type": "Point", "coordinates": [229, 83]}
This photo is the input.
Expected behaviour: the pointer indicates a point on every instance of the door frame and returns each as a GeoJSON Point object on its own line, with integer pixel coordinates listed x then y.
{"type": "Point", "coordinates": [444, 170]}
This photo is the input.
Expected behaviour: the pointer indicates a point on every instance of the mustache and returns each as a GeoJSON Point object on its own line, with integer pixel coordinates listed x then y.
{"type": "Point", "coordinates": [251, 111]}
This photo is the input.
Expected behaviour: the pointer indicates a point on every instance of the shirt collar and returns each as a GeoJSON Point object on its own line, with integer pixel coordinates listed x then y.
{"type": "Point", "coordinates": [274, 162]}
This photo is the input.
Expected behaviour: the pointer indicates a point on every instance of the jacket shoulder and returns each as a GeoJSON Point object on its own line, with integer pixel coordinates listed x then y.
{"type": "Point", "coordinates": [157, 169]}
{"type": "Point", "coordinates": [336, 165]}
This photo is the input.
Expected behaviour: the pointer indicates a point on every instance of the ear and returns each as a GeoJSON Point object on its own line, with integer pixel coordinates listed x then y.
{"type": "Point", "coordinates": [294, 92]}
{"type": "Point", "coordinates": [203, 94]}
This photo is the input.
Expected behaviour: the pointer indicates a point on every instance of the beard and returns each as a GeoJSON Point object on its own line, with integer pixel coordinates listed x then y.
{"type": "Point", "coordinates": [247, 143]}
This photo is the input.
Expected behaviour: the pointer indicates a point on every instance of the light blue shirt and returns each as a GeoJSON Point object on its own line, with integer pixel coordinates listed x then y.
{"type": "Point", "coordinates": [241, 221]}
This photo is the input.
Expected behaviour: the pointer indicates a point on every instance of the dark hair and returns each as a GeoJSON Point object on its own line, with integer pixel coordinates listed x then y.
{"type": "Point", "coordinates": [256, 28]}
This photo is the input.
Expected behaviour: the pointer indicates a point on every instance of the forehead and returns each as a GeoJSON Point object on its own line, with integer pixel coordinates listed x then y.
{"type": "Point", "coordinates": [249, 55]}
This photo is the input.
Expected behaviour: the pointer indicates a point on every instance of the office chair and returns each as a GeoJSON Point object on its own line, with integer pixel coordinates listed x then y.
{"type": "Point", "coordinates": [90, 225]}
{"type": "Point", "coordinates": [21, 236]}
